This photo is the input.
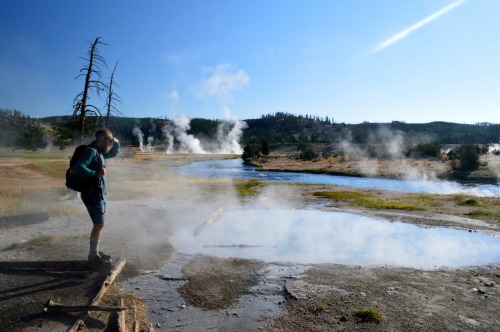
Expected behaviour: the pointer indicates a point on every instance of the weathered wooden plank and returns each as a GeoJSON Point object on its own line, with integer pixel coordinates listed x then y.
{"type": "Point", "coordinates": [115, 270]}
{"type": "Point", "coordinates": [52, 306]}
{"type": "Point", "coordinates": [211, 219]}
{"type": "Point", "coordinates": [122, 326]}
{"type": "Point", "coordinates": [135, 327]}
{"type": "Point", "coordinates": [45, 265]}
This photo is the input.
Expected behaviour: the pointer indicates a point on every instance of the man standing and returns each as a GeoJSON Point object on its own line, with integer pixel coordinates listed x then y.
{"type": "Point", "coordinates": [92, 167]}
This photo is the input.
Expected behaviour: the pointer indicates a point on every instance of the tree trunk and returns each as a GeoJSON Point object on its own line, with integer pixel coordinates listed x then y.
{"type": "Point", "coordinates": [110, 96]}
{"type": "Point", "coordinates": [83, 104]}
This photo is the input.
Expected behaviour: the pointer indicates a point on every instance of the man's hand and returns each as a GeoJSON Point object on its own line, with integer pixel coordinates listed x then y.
{"type": "Point", "coordinates": [102, 172]}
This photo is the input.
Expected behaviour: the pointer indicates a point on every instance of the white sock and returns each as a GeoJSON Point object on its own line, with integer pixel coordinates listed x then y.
{"type": "Point", "coordinates": [94, 248]}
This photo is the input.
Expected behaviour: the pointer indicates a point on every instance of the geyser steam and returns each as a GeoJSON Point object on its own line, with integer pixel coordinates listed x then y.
{"type": "Point", "coordinates": [140, 136]}
{"type": "Point", "coordinates": [178, 129]}
{"type": "Point", "coordinates": [229, 133]}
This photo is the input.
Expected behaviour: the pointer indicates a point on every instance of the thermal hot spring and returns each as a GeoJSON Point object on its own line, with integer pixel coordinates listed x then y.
{"type": "Point", "coordinates": [312, 237]}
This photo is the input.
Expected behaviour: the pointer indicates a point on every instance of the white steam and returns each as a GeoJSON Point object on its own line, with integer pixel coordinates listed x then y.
{"type": "Point", "coordinates": [494, 148]}
{"type": "Point", "coordinates": [150, 147]}
{"type": "Point", "coordinates": [187, 142]}
{"type": "Point", "coordinates": [229, 133]}
{"type": "Point", "coordinates": [392, 142]}
{"type": "Point", "coordinates": [385, 144]}
{"type": "Point", "coordinates": [167, 131]}
{"type": "Point", "coordinates": [178, 129]}
{"type": "Point", "coordinates": [140, 136]}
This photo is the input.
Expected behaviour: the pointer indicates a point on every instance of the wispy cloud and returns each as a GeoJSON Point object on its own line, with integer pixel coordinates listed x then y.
{"type": "Point", "coordinates": [222, 82]}
{"type": "Point", "coordinates": [172, 95]}
{"type": "Point", "coordinates": [176, 57]}
{"type": "Point", "coordinates": [416, 26]}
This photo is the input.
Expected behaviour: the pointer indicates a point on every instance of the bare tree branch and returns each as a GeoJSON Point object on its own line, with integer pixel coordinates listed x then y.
{"type": "Point", "coordinates": [93, 84]}
{"type": "Point", "coordinates": [112, 97]}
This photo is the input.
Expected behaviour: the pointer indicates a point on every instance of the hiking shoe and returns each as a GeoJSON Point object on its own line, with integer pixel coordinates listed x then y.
{"type": "Point", "coordinates": [94, 261]}
{"type": "Point", "coordinates": [105, 258]}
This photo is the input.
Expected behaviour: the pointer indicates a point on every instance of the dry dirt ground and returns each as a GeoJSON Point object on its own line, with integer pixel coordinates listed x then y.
{"type": "Point", "coordinates": [148, 202]}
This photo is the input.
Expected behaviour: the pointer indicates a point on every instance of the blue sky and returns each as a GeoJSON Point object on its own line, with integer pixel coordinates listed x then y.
{"type": "Point", "coordinates": [351, 60]}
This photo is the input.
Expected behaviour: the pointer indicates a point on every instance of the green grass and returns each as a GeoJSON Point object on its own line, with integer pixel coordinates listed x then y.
{"type": "Point", "coordinates": [42, 239]}
{"type": "Point", "coordinates": [54, 168]}
{"type": "Point", "coordinates": [36, 241]}
{"type": "Point", "coordinates": [383, 205]}
{"type": "Point", "coordinates": [321, 306]}
{"type": "Point", "coordinates": [470, 202]}
{"type": "Point", "coordinates": [426, 200]}
{"type": "Point", "coordinates": [247, 188]}
{"type": "Point", "coordinates": [65, 154]}
{"type": "Point", "coordinates": [367, 201]}
{"type": "Point", "coordinates": [369, 315]}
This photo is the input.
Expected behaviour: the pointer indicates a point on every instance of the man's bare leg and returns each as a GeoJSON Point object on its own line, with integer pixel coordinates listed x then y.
{"type": "Point", "coordinates": [95, 237]}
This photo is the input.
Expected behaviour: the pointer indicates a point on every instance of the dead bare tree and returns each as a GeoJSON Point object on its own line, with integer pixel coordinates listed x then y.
{"type": "Point", "coordinates": [112, 98]}
{"type": "Point", "coordinates": [93, 84]}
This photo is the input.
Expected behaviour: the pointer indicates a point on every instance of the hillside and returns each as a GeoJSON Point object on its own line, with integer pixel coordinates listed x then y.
{"type": "Point", "coordinates": [278, 130]}
{"type": "Point", "coordinates": [282, 128]}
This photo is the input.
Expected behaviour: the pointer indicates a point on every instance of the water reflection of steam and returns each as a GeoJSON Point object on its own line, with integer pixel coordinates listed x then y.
{"type": "Point", "coordinates": [312, 237]}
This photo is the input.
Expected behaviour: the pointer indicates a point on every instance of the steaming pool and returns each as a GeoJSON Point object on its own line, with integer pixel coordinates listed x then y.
{"type": "Point", "coordinates": [234, 169]}
{"type": "Point", "coordinates": [312, 237]}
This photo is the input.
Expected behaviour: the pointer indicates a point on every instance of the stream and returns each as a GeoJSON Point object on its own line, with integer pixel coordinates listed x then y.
{"type": "Point", "coordinates": [235, 169]}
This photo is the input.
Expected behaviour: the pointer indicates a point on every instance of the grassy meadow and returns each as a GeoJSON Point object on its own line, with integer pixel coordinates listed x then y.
{"type": "Point", "coordinates": [33, 182]}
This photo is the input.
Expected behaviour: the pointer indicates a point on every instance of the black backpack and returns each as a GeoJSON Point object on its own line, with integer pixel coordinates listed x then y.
{"type": "Point", "coordinates": [77, 182]}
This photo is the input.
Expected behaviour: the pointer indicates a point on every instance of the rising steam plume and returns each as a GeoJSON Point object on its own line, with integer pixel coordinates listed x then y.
{"type": "Point", "coordinates": [178, 129]}
{"type": "Point", "coordinates": [229, 133]}
{"type": "Point", "coordinates": [140, 136]}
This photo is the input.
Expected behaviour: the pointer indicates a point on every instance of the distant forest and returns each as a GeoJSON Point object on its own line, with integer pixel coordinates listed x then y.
{"type": "Point", "coordinates": [278, 129]}
{"type": "Point", "coordinates": [282, 128]}
{"type": "Point", "coordinates": [18, 130]}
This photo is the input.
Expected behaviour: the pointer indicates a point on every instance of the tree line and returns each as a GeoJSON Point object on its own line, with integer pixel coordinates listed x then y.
{"type": "Point", "coordinates": [21, 131]}
{"type": "Point", "coordinates": [283, 128]}
{"type": "Point", "coordinates": [276, 130]}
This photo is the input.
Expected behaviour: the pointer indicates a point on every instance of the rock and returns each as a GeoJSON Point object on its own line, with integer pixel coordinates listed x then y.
{"type": "Point", "coordinates": [477, 290]}
{"type": "Point", "coordinates": [392, 290]}
{"type": "Point", "coordinates": [469, 321]}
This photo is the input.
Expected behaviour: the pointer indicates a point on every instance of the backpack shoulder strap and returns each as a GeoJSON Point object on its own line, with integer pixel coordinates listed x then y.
{"type": "Point", "coordinates": [97, 154]}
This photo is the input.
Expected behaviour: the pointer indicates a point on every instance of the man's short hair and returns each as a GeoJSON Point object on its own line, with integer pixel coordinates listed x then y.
{"type": "Point", "coordinates": [104, 132]}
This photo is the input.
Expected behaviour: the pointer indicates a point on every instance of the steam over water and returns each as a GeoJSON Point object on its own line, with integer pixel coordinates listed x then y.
{"type": "Point", "coordinates": [234, 169]}
{"type": "Point", "coordinates": [311, 237]}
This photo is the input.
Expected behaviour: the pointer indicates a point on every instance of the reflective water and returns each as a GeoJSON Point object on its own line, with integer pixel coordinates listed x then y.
{"type": "Point", "coordinates": [234, 169]}
{"type": "Point", "coordinates": [309, 237]}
